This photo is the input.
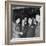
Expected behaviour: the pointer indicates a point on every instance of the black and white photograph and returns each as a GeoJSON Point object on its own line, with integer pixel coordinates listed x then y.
{"type": "Point", "coordinates": [25, 21]}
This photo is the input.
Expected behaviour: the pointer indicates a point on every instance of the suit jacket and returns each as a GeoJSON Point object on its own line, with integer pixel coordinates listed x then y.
{"type": "Point", "coordinates": [37, 31]}
{"type": "Point", "coordinates": [25, 31]}
{"type": "Point", "coordinates": [31, 31]}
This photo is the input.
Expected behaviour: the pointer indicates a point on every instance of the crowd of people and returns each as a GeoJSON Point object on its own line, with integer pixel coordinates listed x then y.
{"type": "Point", "coordinates": [27, 28]}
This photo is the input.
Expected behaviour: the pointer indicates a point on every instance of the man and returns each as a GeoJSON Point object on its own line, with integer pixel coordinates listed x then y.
{"type": "Point", "coordinates": [37, 30]}
{"type": "Point", "coordinates": [24, 27]}
{"type": "Point", "coordinates": [31, 28]}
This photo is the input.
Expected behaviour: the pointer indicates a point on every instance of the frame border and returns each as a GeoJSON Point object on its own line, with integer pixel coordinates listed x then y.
{"type": "Point", "coordinates": [7, 22]}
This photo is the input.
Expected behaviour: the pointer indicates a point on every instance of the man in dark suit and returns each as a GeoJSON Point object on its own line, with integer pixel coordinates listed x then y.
{"type": "Point", "coordinates": [31, 28]}
{"type": "Point", "coordinates": [24, 28]}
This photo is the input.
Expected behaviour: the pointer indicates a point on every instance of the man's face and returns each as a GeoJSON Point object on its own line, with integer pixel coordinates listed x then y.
{"type": "Point", "coordinates": [23, 22]}
{"type": "Point", "coordinates": [25, 18]}
{"type": "Point", "coordinates": [30, 21]}
{"type": "Point", "coordinates": [18, 20]}
{"type": "Point", "coordinates": [37, 18]}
